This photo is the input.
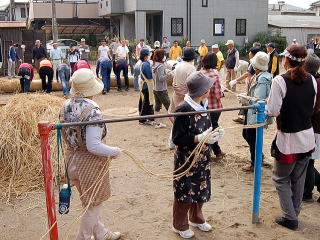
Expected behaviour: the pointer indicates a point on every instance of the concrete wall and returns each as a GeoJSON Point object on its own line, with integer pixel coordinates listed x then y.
{"type": "Point", "coordinates": [40, 10]}
{"type": "Point", "coordinates": [254, 11]}
{"type": "Point", "coordinates": [301, 34]}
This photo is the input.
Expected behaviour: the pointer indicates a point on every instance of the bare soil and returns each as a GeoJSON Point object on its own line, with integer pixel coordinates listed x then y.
{"type": "Point", "coordinates": [141, 206]}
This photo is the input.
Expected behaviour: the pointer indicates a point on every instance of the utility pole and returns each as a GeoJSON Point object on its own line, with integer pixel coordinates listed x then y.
{"type": "Point", "coordinates": [54, 21]}
{"type": "Point", "coordinates": [12, 11]}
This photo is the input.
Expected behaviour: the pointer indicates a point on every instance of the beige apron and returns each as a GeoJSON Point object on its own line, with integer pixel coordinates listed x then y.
{"type": "Point", "coordinates": [86, 169]}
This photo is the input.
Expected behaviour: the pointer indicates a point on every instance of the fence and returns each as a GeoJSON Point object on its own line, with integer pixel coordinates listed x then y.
{"type": "Point", "coordinates": [46, 127]}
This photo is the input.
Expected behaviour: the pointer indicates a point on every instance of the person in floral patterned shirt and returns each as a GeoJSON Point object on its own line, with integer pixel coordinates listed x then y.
{"type": "Point", "coordinates": [194, 188]}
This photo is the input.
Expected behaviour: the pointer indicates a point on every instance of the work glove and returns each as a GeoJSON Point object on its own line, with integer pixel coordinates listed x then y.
{"type": "Point", "coordinates": [233, 82]}
{"type": "Point", "coordinates": [219, 133]}
{"type": "Point", "coordinates": [32, 61]}
{"type": "Point", "coordinates": [204, 134]}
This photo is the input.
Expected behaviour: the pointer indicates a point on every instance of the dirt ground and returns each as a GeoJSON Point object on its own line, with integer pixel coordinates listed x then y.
{"type": "Point", "coordinates": [141, 206]}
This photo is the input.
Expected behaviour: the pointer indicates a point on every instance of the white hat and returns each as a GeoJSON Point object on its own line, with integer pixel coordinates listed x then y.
{"type": "Point", "coordinates": [83, 40]}
{"type": "Point", "coordinates": [260, 61]}
{"type": "Point", "coordinates": [157, 44]}
{"type": "Point", "coordinates": [215, 46]}
{"type": "Point", "coordinates": [37, 41]}
{"type": "Point", "coordinates": [230, 42]}
{"type": "Point", "coordinates": [203, 41]}
{"type": "Point", "coordinates": [85, 84]}
{"type": "Point", "coordinates": [294, 40]}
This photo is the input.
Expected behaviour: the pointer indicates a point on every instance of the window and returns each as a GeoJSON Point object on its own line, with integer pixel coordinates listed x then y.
{"type": "Point", "coordinates": [218, 27]}
{"type": "Point", "coordinates": [204, 3]}
{"type": "Point", "coordinates": [107, 3]}
{"type": "Point", "coordinates": [23, 12]}
{"type": "Point", "coordinates": [241, 27]}
{"type": "Point", "coordinates": [176, 26]}
{"type": "Point", "coordinates": [100, 5]}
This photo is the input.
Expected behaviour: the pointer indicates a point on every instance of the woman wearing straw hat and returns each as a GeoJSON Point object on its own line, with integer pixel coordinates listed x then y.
{"type": "Point", "coordinates": [258, 89]}
{"type": "Point", "coordinates": [87, 154]}
{"type": "Point", "coordinates": [292, 99]}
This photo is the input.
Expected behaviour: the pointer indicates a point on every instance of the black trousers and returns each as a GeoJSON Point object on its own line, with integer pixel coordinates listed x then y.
{"type": "Point", "coordinates": [44, 73]}
{"type": "Point", "coordinates": [214, 121]}
{"type": "Point", "coordinates": [312, 180]}
{"type": "Point", "coordinates": [144, 105]}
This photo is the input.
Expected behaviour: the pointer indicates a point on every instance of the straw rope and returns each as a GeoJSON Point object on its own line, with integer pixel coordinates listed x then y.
{"type": "Point", "coordinates": [139, 163]}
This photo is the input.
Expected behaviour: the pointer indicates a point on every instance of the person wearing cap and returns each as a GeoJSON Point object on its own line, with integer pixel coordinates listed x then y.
{"type": "Point", "coordinates": [131, 56]}
{"type": "Point", "coordinates": [46, 72]}
{"type": "Point", "coordinates": [175, 51]}
{"type": "Point", "coordinates": [56, 59]}
{"type": "Point", "coordinates": [273, 66]}
{"type": "Point", "coordinates": [248, 76]}
{"type": "Point", "coordinates": [104, 67]}
{"type": "Point", "coordinates": [160, 78]}
{"type": "Point", "coordinates": [87, 154]}
{"type": "Point", "coordinates": [13, 56]}
{"type": "Point", "coordinates": [166, 46]}
{"type": "Point", "coordinates": [294, 42]}
{"type": "Point", "coordinates": [39, 53]}
{"type": "Point", "coordinates": [209, 64]}
{"type": "Point", "coordinates": [26, 73]}
{"type": "Point", "coordinates": [220, 58]}
{"type": "Point", "coordinates": [181, 73]}
{"type": "Point", "coordinates": [64, 74]}
{"type": "Point", "coordinates": [232, 63]}
{"type": "Point", "coordinates": [311, 66]}
{"type": "Point", "coordinates": [146, 101]}
{"type": "Point", "coordinates": [258, 90]}
{"type": "Point", "coordinates": [202, 50]}
{"type": "Point", "coordinates": [84, 50]}
{"type": "Point", "coordinates": [156, 46]}
{"type": "Point", "coordinates": [81, 64]}
{"type": "Point", "coordinates": [73, 56]}
{"type": "Point", "coordinates": [291, 101]}
{"type": "Point", "coordinates": [191, 191]}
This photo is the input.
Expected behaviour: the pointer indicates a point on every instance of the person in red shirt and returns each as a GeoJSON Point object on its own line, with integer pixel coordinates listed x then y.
{"type": "Point", "coordinates": [209, 64]}
{"type": "Point", "coordinates": [26, 73]}
{"type": "Point", "coordinates": [81, 64]}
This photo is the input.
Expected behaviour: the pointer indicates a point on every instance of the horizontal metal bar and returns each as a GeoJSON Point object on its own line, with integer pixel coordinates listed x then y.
{"type": "Point", "coordinates": [177, 114]}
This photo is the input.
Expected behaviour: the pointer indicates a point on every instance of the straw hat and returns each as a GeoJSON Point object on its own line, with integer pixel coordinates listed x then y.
{"type": "Point", "coordinates": [260, 61]}
{"type": "Point", "coordinates": [85, 84]}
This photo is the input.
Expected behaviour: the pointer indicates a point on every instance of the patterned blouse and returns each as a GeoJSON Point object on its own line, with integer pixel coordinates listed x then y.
{"type": "Point", "coordinates": [73, 108]}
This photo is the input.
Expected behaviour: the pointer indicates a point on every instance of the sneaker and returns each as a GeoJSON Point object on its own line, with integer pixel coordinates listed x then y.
{"type": "Point", "coordinates": [205, 227]}
{"type": "Point", "coordinates": [160, 125]}
{"type": "Point", "coordinates": [126, 89]}
{"type": "Point", "coordinates": [290, 224]}
{"type": "Point", "coordinates": [119, 90]}
{"type": "Point", "coordinates": [248, 169]}
{"type": "Point", "coordinates": [184, 234]}
{"type": "Point", "coordinates": [112, 236]}
{"type": "Point", "coordinates": [238, 120]}
{"type": "Point", "coordinates": [171, 144]}
{"type": "Point", "coordinates": [104, 92]}
{"type": "Point", "coordinates": [147, 122]}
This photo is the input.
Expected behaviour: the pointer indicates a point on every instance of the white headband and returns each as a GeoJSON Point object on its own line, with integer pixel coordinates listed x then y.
{"type": "Point", "coordinates": [288, 55]}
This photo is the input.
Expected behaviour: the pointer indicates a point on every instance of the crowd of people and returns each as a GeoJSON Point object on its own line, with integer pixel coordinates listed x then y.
{"type": "Point", "coordinates": [292, 98]}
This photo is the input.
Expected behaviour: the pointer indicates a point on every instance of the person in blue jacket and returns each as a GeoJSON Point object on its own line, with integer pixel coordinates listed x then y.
{"type": "Point", "coordinates": [258, 89]}
{"type": "Point", "coordinates": [104, 66]}
{"type": "Point", "coordinates": [146, 101]}
{"type": "Point", "coordinates": [13, 56]}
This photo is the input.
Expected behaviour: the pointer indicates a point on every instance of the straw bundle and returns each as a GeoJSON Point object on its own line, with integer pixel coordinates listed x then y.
{"type": "Point", "coordinates": [20, 156]}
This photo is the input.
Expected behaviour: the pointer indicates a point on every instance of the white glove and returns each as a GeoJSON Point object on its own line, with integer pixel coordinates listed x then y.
{"type": "Point", "coordinates": [213, 138]}
{"type": "Point", "coordinates": [233, 82]}
{"type": "Point", "coordinates": [221, 131]}
{"type": "Point", "coordinates": [32, 60]}
{"type": "Point", "coordinates": [204, 134]}
{"type": "Point", "coordinates": [222, 88]}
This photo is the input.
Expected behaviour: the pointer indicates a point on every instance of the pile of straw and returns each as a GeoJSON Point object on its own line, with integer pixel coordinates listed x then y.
{"type": "Point", "coordinates": [20, 155]}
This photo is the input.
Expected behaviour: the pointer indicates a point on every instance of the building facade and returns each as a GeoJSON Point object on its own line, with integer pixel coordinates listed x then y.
{"type": "Point", "coordinates": [315, 6]}
{"type": "Point", "coordinates": [213, 20]}
{"type": "Point", "coordinates": [20, 11]}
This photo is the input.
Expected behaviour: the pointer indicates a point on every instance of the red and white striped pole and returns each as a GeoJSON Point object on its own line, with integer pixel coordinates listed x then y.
{"type": "Point", "coordinates": [44, 129]}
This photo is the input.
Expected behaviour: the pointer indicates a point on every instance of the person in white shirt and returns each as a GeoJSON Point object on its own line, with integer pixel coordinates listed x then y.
{"type": "Point", "coordinates": [140, 45]}
{"type": "Point", "coordinates": [122, 56]}
{"type": "Point", "coordinates": [291, 101]}
{"type": "Point", "coordinates": [103, 50]}
{"type": "Point", "coordinates": [56, 59]}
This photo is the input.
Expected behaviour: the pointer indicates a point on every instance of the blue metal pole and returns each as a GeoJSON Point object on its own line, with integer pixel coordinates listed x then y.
{"type": "Point", "coordinates": [260, 106]}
